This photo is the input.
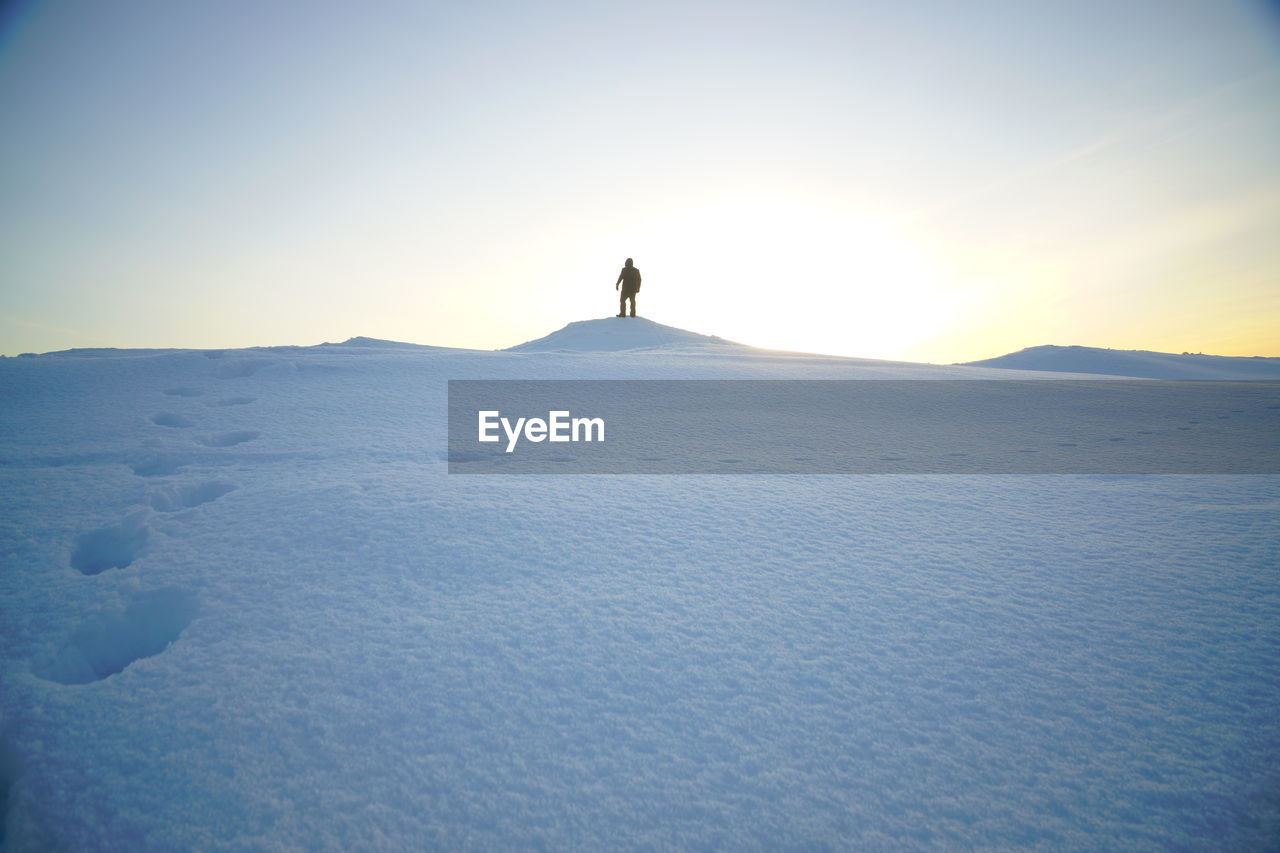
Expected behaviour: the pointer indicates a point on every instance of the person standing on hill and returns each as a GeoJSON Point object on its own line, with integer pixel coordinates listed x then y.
{"type": "Point", "coordinates": [629, 281]}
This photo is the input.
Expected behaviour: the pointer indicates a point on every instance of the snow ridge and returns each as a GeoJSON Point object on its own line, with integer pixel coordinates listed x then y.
{"type": "Point", "coordinates": [1136, 363]}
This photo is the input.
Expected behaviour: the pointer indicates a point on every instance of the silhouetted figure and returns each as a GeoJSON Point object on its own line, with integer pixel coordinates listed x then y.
{"type": "Point", "coordinates": [629, 280]}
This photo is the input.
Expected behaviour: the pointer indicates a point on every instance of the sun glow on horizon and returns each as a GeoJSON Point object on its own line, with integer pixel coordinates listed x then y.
{"type": "Point", "coordinates": [792, 275]}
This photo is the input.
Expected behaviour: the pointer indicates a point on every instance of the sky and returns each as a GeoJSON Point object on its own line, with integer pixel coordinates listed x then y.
{"type": "Point", "coordinates": [930, 181]}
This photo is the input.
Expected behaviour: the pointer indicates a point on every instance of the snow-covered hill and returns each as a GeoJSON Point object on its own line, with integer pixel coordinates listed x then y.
{"type": "Point", "coordinates": [1137, 363]}
{"type": "Point", "coordinates": [618, 333]}
{"type": "Point", "coordinates": [244, 607]}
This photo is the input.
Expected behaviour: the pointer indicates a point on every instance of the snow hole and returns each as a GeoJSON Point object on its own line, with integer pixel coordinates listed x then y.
{"type": "Point", "coordinates": [109, 643]}
{"type": "Point", "coordinates": [174, 498]}
{"type": "Point", "coordinates": [111, 547]}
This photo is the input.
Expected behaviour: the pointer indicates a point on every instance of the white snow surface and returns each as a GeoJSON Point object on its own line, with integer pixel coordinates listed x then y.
{"type": "Point", "coordinates": [245, 608]}
{"type": "Point", "coordinates": [619, 333]}
{"type": "Point", "coordinates": [1136, 363]}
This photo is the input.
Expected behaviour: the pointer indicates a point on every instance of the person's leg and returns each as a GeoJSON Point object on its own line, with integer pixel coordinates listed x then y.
{"type": "Point", "coordinates": [622, 304]}
{"type": "Point", "coordinates": [633, 305]}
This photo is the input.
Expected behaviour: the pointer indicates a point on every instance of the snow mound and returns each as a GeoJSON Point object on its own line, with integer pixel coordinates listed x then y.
{"type": "Point", "coordinates": [356, 344]}
{"type": "Point", "coordinates": [361, 342]}
{"type": "Point", "coordinates": [1139, 363]}
{"type": "Point", "coordinates": [618, 333]}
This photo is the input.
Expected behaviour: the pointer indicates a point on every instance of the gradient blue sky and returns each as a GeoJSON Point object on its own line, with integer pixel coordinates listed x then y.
{"type": "Point", "coordinates": [935, 180]}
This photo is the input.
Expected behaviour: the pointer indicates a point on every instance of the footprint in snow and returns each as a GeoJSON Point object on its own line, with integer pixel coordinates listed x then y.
{"type": "Point", "coordinates": [175, 498]}
{"type": "Point", "coordinates": [229, 439]}
{"type": "Point", "coordinates": [110, 642]}
{"type": "Point", "coordinates": [169, 419]}
{"type": "Point", "coordinates": [231, 401]}
{"type": "Point", "coordinates": [113, 547]}
{"type": "Point", "coordinates": [183, 392]}
{"type": "Point", "coordinates": [158, 465]}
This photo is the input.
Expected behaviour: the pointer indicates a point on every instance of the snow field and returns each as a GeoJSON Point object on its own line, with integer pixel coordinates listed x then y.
{"type": "Point", "coordinates": [312, 637]}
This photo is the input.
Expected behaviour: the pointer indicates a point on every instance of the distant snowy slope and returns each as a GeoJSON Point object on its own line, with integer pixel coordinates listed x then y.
{"type": "Point", "coordinates": [350, 344]}
{"type": "Point", "coordinates": [378, 343]}
{"type": "Point", "coordinates": [617, 333]}
{"type": "Point", "coordinates": [1151, 365]}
